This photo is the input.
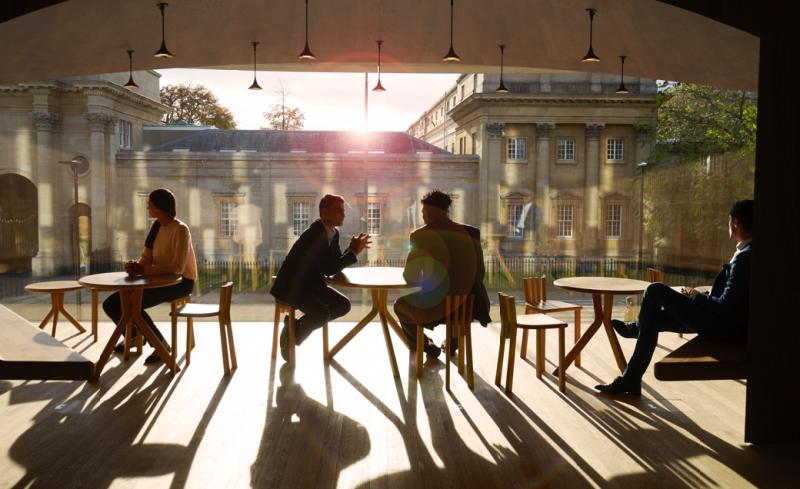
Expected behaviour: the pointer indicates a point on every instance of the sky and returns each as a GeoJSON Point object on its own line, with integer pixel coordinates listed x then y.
{"type": "Point", "coordinates": [330, 101]}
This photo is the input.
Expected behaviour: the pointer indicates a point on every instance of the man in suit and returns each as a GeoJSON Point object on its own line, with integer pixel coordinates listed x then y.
{"type": "Point", "coordinates": [720, 315]}
{"type": "Point", "coordinates": [301, 279]}
{"type": "Point", "coordinates": [445, 258]}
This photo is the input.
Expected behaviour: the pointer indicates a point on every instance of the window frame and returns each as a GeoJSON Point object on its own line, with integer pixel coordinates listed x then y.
{"type": "Point", "coordinates": [574, 142]}
{"type": "Point", "coordinates": [518, 233]}
{"type": "Point", "coordinates": [232, 218]}
{"type": "Point", "coordinates": [295, 219]}
{"type": "Point", "coordinates": [374, 205]}
{"type": "Point", "coordinates": [517, 140]}
{"type": "Point", "coordinates": [559, 220]}
{"type": "Point", "coordinates": [621, 148]}
{"type": "Point", "coordinates": [125, 134]}
{"type": "Point", "coordinates": [608, 222]}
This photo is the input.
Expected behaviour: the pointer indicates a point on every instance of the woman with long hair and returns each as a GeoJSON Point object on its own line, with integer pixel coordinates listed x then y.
{"type": "Point", "coordinates": [167, 250]}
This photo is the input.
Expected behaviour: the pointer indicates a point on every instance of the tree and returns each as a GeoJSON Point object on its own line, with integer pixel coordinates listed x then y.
{"type": "Point", "coordinates": [703, 161]}
{"type": "Point", "coordinates": [195, 105]}
{"type": "Point", "coordinates": [282, 117]}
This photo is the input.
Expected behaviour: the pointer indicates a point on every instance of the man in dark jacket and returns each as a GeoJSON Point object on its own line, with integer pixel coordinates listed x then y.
{"type": "Point", "coordinates": [301, 279]}
{"type": "Point", "coordinates": [720, 315]}
{"type": "Point", "coordinates": [445, 258]}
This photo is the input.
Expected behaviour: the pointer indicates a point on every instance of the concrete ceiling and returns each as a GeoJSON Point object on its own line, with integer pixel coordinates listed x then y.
{"type": "Point", "coordinates": [80, 37]}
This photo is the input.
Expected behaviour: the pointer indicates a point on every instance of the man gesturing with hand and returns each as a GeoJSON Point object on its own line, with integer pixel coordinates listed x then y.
{"type": "Point", "coordinates": [301, 279]}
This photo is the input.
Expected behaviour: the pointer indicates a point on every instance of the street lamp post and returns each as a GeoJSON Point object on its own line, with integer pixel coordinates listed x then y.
{"type": "Point", "coordinates": [641, 166]}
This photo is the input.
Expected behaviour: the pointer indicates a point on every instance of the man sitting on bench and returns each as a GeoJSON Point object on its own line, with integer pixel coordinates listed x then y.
{"type": "Point", "coordinates": [720, 315]}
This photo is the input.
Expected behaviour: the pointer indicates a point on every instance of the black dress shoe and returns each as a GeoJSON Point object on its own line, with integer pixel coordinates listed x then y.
{"type": "Point", "coordinates": [626, 330]}
{"type": "Point", "coordinates": [120, 348]}
{"type": "Point", "coordinates": [154, 358]}
{"type": "Point", "coordinates": [453, 346]}
{"type": "Point", "coordinates": [431, 350]}
{"type": "Point", "coordinates": [621, 386]}
{"type": "Point", "coordinates": [284, 341]}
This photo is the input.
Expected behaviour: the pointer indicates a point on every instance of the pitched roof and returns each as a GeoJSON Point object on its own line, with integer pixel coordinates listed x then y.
{"type": "Point", "coordinates": [263, 141]}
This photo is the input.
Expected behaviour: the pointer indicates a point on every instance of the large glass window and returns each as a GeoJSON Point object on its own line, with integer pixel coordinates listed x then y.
{"type": "Point", "coordinates": [124, 130]}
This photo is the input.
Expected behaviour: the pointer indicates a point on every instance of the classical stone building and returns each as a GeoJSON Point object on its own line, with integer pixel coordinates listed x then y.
{"type": "Point", "coordinates": [546, 169]}
{"type": "Point", "coordinates": [42, 125]}
{"type": "Point", "coordinates": [558, 157]}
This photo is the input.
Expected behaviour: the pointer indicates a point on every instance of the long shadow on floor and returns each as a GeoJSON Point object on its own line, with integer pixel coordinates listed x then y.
{"type": "Point", "coordinates": [93, 440]}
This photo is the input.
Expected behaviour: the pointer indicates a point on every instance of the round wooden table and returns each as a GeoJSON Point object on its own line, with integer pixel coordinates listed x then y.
{"type": "Point", "coordinates": [130, 293]}
{"type": "Point", "coordinates": [56, 289]}
{"type": "Point", "coordinates": [378, 280]}
{"type": "Point", "coordinates": [603, 290]}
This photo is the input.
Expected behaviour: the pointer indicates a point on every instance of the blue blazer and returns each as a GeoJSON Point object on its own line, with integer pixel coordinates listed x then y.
{"type": "Point", "coordinates": [728, 303]}
{"type": "Point", "coordinates": [308, 262]}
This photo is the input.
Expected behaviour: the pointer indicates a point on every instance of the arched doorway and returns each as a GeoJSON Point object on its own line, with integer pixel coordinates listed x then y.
{"type": "Point", "coordinates": [19, 223]}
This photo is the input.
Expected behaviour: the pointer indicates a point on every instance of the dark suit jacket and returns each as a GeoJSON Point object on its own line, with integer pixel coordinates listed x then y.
{"type": "Point", "coordinates": [729, 300]}
{"type": "Point", "coordinates": [308, 262]}
{"type": "Point", "coordinates": [447, 258]}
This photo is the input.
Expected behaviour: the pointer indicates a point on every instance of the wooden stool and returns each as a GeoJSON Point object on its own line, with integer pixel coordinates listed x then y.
{"type": "Point", "coordinates": [458, 322]}
{"type": "Point", "coordinates": [536, 303]}
{"type": "Point", "coordinates": [540, 322]}
{"type": "Point", "coordinates": [56, 289]}
{"type": "Point", "coordinates": [282, 307]}
{"type": "Point", "coordinates": [223, 313]}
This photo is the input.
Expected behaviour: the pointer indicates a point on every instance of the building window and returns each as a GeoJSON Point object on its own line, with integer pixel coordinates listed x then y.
{"type": "Point", "coordinates": [228, 220]}
{"type": "Point", "coordinates": [566, 149]}
{"type": "Point", "coordinates": [301, 213]}
{"type": "Point", "coordinates": [516, 149]}
{"type": "Point", "coordinates": [514, 223]}
{"type": "Point", "coordinates": [473, 138]}
{"type": "Point", "coordinates": [615, 149]}
{"type": "Point", "coordinates": [614, 221]}
{"type": "Point", "coordinates": [462, 92]}
{"type": "Point", "coordinates": [124, 129]}
{"type": "Point", "coordinates": [474, 82]}
{"type": "Point", "coordinates": [374, 218]}
{"type": "Point", "coordinates": [565, 214]}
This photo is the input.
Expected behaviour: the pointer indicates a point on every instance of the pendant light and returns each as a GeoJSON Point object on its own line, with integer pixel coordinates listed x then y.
{"type": "Point", "coordinates": [502, 87]}
{"type": "Point", "coordinates": [378, 86]}
{"type": "Point", "coordinates": [131, 84]}
{"type": "Point", "coordinates": [451, 56]}
{"type": "Point", "coordinates": [621, 90]}
{"type": "Point", "coordinates": [590, 56]}
{"type": "Point", "coordinates": [255, 85]}
{"type": "Point", "coordinates": [162, 52]}
{"type": "Point", "coordinates": [306, 54]}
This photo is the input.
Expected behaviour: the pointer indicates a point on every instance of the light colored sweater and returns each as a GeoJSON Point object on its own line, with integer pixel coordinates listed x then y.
{"type": "Point", "coordinates": [172, 252]}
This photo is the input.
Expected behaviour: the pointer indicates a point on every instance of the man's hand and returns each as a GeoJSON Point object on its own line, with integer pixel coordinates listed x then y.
{"type": "Point", "coordinates": [358, 243]}
{"type": "Point", "coordinates": [690, 292]}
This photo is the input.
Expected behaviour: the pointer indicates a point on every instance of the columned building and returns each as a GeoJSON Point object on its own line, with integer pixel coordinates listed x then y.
{"type": "Point", "coordinates": [558, 158]}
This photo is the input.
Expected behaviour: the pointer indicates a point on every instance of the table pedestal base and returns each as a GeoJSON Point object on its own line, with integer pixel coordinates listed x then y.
{"type": "Point", "coordinates": [603, 306]}
{"type": "Point", "coordinates": [56, 307]}
{"type": "Point", "coordinates": [380, 309]}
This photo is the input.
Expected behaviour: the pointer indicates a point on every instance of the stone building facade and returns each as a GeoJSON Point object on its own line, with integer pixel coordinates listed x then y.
{"type": "Point", "coordinates": [558, 158]}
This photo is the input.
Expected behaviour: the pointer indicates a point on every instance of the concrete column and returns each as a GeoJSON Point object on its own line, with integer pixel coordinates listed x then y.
{"type": "Point", "coordinates": [95, 197]}
{"type": "Point", "coordinates": [594, 157]}
{"type": "Point", "coordinates": [544, 133]}
{"type": "Point", "coordinates": [110, 177]}
{"type": "Point", "coordinates": [492, 162]}
{"type": "Point", "coordinates": [46, 260]}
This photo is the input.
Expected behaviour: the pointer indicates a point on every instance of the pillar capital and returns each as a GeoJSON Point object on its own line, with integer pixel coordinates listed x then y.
{"type": "Point", "coordinates": [594, 129]}
{"type": "Point", "coordinates": [45, 121]}
{"type": "Point", "coordinates": [495, 129]}
{"type": "Point", "coordinates": [98, 121]}
{"type": "Point", "coordinates": [544, 130]}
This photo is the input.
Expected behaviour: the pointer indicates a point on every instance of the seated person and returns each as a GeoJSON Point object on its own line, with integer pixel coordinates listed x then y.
{"type": "Point", "coordinates": [720, 315]}
{"type": "Point", "coordinates": [167, 250]}
{"type": "Point", "coordinates": [445, 259]}
{"type": "Point", "coordinates": [301, 279]}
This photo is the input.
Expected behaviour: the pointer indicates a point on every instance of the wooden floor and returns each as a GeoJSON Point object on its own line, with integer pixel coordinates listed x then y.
{"type": "Point", "coordinates": [349, 424]}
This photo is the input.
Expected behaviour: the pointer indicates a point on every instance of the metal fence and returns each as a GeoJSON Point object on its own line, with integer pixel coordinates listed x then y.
{"type": "Point", "coordinates": [502, 273]}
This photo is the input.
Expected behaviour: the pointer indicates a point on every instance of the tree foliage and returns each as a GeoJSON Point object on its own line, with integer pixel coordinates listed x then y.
{"type": "Point", "coordinates": [195, 105]}
{"type": "Point", "coordinates": [704, 160]}
{"type": "Point", "coordinates": [282, 117]}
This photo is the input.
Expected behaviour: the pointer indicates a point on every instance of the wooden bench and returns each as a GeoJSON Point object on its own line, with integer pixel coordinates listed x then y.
{"type": "Point", "coordinates": [27, 353]}
{"type": "Point", "coordinates": [700, 359]}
